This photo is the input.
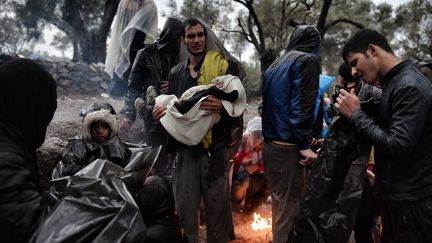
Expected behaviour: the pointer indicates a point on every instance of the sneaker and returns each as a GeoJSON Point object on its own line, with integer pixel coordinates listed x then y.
{"type": "Point", "coordinates": [151, 95]}
{"type": "Point", "coordinates": [139, 107]}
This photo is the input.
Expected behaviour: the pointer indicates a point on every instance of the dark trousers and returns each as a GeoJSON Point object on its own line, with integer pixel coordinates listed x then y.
{"type": "Point", "coordinates": [287, 181]}
{"type": "Point", "coordinates": [407, 221]}
{"type": "Point", "coordinates": [367, 211]}
{"type": "Point", "coordinates": [197, 174]}
{"type": "Point", "coordinates": [119, 86]}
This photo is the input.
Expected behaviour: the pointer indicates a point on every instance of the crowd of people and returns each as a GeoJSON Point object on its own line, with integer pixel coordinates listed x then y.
{"type": "Point", "coordinates": [373, 161]}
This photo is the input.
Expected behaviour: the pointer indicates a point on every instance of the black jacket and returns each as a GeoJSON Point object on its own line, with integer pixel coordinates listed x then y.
{"type": "Point", "coordinates": [402, 135]}
{"type": "Point", "coordinates": [229, 129]}
{"type": "Point", "coordinates": [80, 152]}
{"type": "Point", "coordinates": [150, 68]}
{"type": "Point", "coordinates": [27, 104]}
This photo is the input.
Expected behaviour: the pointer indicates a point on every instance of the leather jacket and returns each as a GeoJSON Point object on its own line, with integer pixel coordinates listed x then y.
{"type": "Point", "coordinates": [402, 135]}
{"type": "Point", "coordinates": [151, 67]}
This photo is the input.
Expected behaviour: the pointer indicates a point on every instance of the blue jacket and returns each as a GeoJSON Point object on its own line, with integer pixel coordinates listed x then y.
{"type": "Point", "coordinates": [290, 89]}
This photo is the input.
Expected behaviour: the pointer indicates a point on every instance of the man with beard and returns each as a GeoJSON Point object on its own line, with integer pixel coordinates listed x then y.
{"type": "Point", "coordinates": [401, 134]}
{"type": "Point", "coordinates": [202, 170]}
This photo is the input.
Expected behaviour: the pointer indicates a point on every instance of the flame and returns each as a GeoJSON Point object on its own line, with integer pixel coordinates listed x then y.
{"type": "Point", "coordinates": [261, 223]}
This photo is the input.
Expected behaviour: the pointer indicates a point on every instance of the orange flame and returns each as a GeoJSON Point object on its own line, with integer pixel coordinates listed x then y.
{"type": "Point", "coordinates": [261, 223]}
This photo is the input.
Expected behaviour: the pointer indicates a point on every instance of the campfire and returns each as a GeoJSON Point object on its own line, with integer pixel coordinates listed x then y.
{"type": "Point", "coordinates": [261, 223]}
{"type": "Point", "coordinates": [256, 227]}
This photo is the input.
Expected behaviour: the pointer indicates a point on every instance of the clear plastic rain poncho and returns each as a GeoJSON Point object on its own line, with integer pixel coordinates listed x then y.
{"type": "Point", "coordinates": [132, 15]}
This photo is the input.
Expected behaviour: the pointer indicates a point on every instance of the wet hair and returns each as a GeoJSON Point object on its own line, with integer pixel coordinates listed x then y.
{"type": "Point", "coordinates": [359, 42]}
{"type": "Point", "coordinates": [345, 72]}
{"type": "Point", "coordinates": [192, 22]}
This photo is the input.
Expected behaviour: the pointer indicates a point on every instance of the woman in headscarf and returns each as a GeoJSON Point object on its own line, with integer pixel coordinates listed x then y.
{"type": "Point", "coordinates": [28, 100]}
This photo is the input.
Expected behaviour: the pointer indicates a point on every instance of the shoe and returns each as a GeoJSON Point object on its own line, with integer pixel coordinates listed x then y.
{"type": "Point", "coordinates": [151, 95]}
{"type": "Point", "coordinates": [139, 107]}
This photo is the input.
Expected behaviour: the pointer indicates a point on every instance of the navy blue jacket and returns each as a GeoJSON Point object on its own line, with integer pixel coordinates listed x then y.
{"type": "Point", "coordinates": [290, 89]}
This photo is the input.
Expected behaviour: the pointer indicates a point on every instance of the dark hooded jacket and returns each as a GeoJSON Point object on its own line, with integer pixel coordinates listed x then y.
{"type": "Point", "coordinates": [290, 89]}
{"type": "Point", "coordinates": [82, 150]}
{"type": "Point", "coordinates": [28, 100]}
{"type": "Point", "coordinates": [151, 67]}
{"type": "Point", "coordinates": [332, 198]}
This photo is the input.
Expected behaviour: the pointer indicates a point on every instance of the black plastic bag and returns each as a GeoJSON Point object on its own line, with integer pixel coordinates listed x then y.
{"type": "Point", "coordinates": [96, 205]}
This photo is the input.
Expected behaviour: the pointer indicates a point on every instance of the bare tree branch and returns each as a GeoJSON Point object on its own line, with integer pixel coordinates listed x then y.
{"type": "Point", "coordinates": [342, 20]}
{"type": "Point", "coordinates": [323, 16]}
{"type": "Point", "coordinates": [5, 39]}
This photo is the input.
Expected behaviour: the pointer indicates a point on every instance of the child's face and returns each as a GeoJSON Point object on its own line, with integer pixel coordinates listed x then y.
{"type": "Point", "coordinates": [100, 131]}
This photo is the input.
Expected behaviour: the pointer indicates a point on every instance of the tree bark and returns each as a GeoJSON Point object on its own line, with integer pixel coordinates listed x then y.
{"type": "Point", "coordinates": [99, 41]}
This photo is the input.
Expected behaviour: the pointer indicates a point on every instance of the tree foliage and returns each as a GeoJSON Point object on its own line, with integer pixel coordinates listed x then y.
{"type": "Point", "coordinates": [13, 38]}
{"type": "Point", "coordinates": [414, 29]}
{"type": "Point", "coordinates": [86, 23]}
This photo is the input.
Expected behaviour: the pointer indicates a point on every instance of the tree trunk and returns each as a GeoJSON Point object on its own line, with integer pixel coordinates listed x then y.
{"type": "Point", "coordinates": [76, 56]}
{"type": "Point", "coordinates": [99, 39]}
{"type": "Point", "coordinates": [267, 57]}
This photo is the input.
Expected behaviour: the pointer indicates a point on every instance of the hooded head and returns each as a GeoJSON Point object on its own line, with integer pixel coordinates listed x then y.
{"type": "Point", "coordinates": [305, 38]}
{"type": "Point", "coordinates": [98, 111]}
{"type": "Point", "coordinates": [156, 198]}
{"type": "Point", "coordinates": [28, 99]}
{"type": "Point", "coordinates": [170, 37]}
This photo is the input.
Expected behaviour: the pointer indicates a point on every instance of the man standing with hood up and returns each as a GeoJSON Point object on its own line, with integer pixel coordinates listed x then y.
{"type": "Point", "coordinates": [290, 89]}
{"type": "Point", "coordinates": [149, 78]}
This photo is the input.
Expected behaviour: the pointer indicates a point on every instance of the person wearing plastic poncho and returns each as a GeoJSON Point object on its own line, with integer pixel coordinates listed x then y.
{"type": "Point", "coordinates": [83, 149]}
{"type": "Point", "coordinates": [134, 26]}
{"type": "Point", "coordinates": [202, 170]}
{"type": "Point", "coordinates": [28, 100]}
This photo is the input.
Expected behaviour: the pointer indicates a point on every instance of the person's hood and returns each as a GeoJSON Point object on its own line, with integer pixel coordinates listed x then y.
{"type": "Point", "coordinates": [305, 38]}
{"type": "Point", "coordinates": [170, 36]}
{"type": "Point", "coordinates": [28, 99]}
{"type": "Point", "coordinates": [98, 111]}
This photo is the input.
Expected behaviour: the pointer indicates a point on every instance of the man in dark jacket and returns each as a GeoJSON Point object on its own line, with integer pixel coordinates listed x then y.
{"type": "Point", "coordinates": [28, 100]}
{"type": "Point", "coordinates": [290, 89]}
{"type": "Point", "coordinates": [151, 69]}
{"type": "Point", "coordinates": [401, 135]}
{"type": "Point", "coordinates": [202, 170]}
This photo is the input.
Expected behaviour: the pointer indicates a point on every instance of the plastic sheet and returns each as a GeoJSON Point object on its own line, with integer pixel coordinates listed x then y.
{"type": "Point", "coordinates": [96, 204]}
{"type": "Point", "coordinates": [332, 198]}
